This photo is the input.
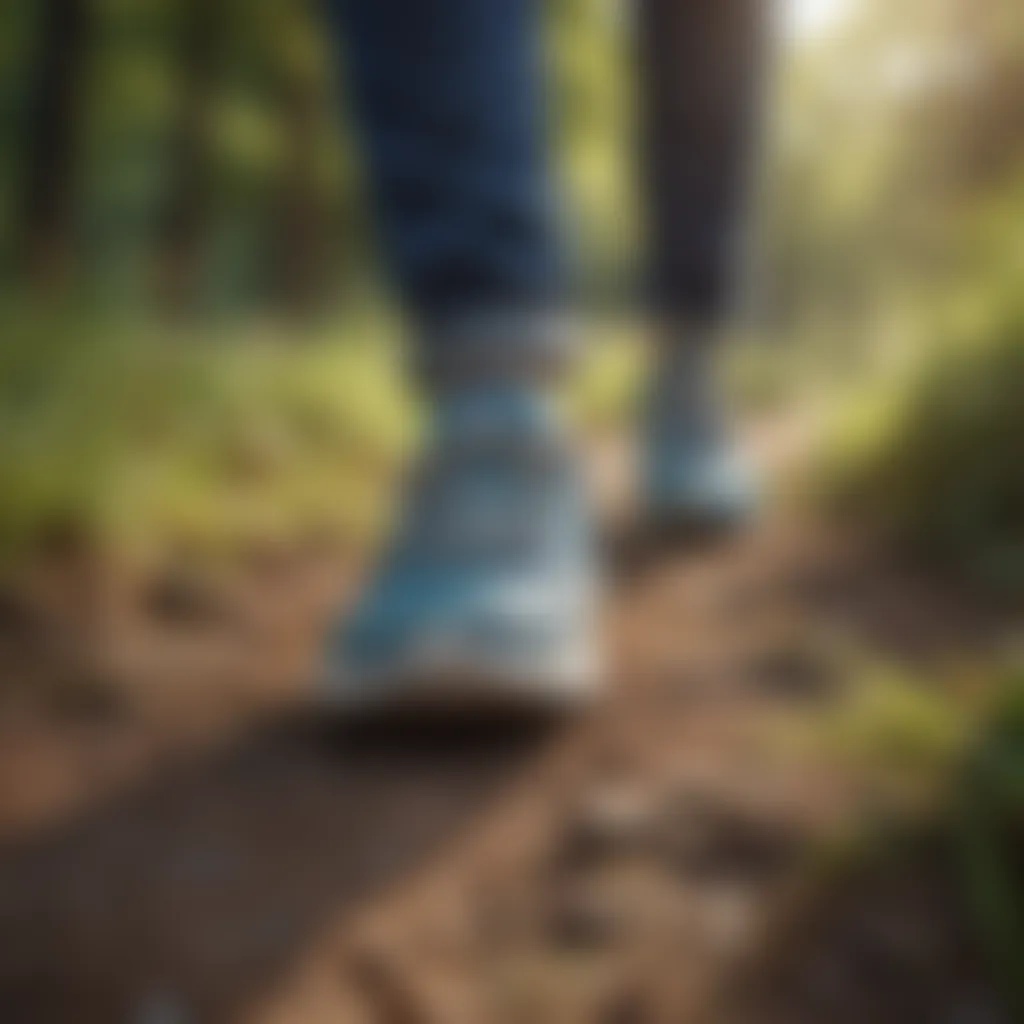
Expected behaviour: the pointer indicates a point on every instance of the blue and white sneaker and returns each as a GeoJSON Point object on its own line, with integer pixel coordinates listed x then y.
{"type": "Point", "coordinates": [694, 477]}
{"type": "Point", "coordinates": [487, 595]}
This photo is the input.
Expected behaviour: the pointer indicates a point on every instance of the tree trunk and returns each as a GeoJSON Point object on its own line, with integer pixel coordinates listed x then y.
{"type": "Point", "coordinates": [189, 200]}
{"type": "Point", "coordinates": [302, 208]}
{"type": "Point", "coordinates": [52, 144]}
{"type": "Point", "coordinates": [300, 248]}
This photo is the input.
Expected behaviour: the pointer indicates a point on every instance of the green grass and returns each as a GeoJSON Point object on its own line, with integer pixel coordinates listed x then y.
{"type": "Point", "coordinates": [135, 439]}
{"type": "Point", "coordinates": [128, 438]}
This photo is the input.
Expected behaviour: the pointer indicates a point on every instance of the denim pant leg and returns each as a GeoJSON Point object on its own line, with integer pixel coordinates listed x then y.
{"type": "Point", "coordinates": [449, 99]}
{"type": "Point", "coordinates": [702, 70]}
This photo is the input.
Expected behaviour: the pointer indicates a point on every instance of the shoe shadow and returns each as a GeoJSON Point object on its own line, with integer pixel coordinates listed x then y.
{"type": "Point", "coordinates": [188, 899]}
{"type": "Point", "coordinates": [636, 548]}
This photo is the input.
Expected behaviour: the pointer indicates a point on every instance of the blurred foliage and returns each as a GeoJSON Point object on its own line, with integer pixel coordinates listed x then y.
{"type": "Point", "coordinates": [897, 256]}
{"type": "Point", "coordinates": [906, 734]}
{"type": "Point", "coordinates": [240, 104]}
{"type": "Point", "coordinates": [129, 441]}
{"type": "Point", "coordinates": [894, 267]}
{"type": "Point", "coordinates": [931, 456]}
{"type": "Point", "coordinates": [885, 134]}
{"type": "Point", "coordinates": [990, 832]}
{"type": "Point", "coordinates": [943, 759]}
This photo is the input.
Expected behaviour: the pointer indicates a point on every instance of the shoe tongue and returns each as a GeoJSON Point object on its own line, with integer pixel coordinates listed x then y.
{"type": "Point", "coordinates": [505, 416]}
{"type": "Point", "coordinates": [486, 476]}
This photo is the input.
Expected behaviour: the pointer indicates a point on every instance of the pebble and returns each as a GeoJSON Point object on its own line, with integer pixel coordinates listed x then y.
{"type": "Point", "coordinates": [608, 823]}
{"type": "Point", "coordinates": [162, 1008]}
{"type": "Point", "coordinates": [586, 921]}
{"type": "Point", "coordinates": [711, 838]}
{"type": "Point", "coordinates": [727, 919]}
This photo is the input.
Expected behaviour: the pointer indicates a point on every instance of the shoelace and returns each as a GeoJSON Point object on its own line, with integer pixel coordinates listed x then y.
{"type": "Point", "coordinates": [478, 505]}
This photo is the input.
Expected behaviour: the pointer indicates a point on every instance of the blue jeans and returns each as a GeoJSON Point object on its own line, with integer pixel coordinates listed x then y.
{"type": "Point", "coordinates": [449, 99]}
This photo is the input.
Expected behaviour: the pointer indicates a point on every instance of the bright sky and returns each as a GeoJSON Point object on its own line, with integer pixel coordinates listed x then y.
{"type": "Point", "coordinates": [805, 19]}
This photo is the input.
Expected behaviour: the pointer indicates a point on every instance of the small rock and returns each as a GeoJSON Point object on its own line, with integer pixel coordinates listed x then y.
{"type": "Point", "coordinates": [184, 598]}
{"type": "Point", "coordinates": [693, 684]}
{"type": "Point", "coordinates": [727, 919]}
{"type": "Point", "coordinates": [792, 672]}
{"type": "Point", "coordinates": [585, 921]}
{"type": "Point", "coordinates": [18, 620]}
{"type": "Point", "coordinates": [388, 986]}
{"type": "Point", "coordinates": [607, 823]}
{"type": "Point", "coordinates": [162, 1008]}
{"type": "Point", "coordinates": [974, 1009]}
{"type": "Point", "coordinates": [625, 1007]}
{"type": "Point", "coordinates": [826, 980]}
{"type": "Point", "coordinates": [712, 839]}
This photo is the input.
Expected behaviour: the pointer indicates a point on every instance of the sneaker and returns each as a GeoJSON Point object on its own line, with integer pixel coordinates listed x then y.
{"type": "Point", "coordinates": [486, 595]}
{"type": "Point", "coordinates": [695, 478]}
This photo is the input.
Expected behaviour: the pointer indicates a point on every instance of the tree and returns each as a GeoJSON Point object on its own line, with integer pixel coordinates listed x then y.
{"type": "Point", "coordinates": [190, 196]}
{"type": "Point", "coordinates": [300, 247]}
{"type": "Point", "coordinates": [52, 142]}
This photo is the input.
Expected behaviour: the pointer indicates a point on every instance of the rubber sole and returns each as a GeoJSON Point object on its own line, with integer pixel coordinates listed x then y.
{"type": "Point", "coordinates": [467, 688]}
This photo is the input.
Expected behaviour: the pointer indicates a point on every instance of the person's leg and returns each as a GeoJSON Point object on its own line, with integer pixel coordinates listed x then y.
{"type": "Point", "coordinates": [448, 99]}
{"type": "Point", "coordinates": [702, 85]}
{"type": "Point", "coordinates": [489, 577]}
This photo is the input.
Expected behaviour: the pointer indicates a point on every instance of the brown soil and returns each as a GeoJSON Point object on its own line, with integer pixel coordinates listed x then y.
{"type": "Point", "coordinates": [184, 838]}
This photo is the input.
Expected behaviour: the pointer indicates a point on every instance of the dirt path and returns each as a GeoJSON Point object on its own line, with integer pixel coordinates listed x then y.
{"type": "Point", "coordinates": [226, 856]}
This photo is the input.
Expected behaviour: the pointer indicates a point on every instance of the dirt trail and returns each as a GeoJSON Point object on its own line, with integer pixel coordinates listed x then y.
{"type": "Point", "coordinates": [227, 856]}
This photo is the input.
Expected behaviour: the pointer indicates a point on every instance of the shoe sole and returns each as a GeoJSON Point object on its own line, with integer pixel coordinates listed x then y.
{"type": "Point", "coordinates": [466, 687]}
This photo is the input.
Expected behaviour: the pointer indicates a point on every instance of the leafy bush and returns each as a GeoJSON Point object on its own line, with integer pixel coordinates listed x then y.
{"type": "Point", "coordinates": [932, 455]}
{"type": "Point", "coordinates": [944, 759]}
{"type": "Point", "coordinates": [125, 439]}
{"type": "Point", "coordinates": [990, 831]}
